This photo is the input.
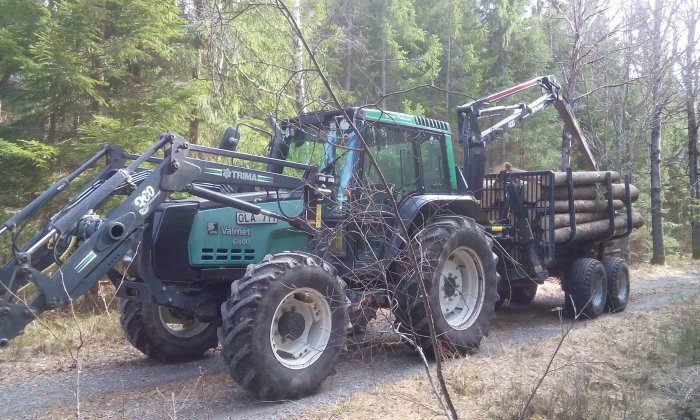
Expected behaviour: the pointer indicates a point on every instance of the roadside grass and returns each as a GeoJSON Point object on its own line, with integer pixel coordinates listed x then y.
{"type": "Point", "coordinates": [85, 335]}
{"type": "Point", "coordinates": [92, 320]}
{"type": "Point", "coordinates": [644, 365]}
{"type": "Point", "coordinates": [687, 343]}
{"type": "Point", "coordinates": [640, 365]}
{"type": "Point", "coordinates": [676, 265]}
{"type": "Point", "coordinates": [62, 335]}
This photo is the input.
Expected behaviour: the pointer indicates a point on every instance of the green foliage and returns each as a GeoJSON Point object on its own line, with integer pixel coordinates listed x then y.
{"type": "Point", "coordinates": [24, 165]}
{"type": "Point", "coordinates": [687, 343]}
{"type": "Point", "coordinates": [75, 74]}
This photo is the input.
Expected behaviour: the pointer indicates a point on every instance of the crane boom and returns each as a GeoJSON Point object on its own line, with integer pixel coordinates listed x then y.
{"type": "Point", "coordinates": [474, 139]}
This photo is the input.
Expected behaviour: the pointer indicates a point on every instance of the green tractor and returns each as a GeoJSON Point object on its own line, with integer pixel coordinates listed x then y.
{"type": "Point", "coordinates": [280, 259]}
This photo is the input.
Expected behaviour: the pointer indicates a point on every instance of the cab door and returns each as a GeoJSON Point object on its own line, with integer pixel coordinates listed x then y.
{"type": "Point", "coordinates": [396, 151]}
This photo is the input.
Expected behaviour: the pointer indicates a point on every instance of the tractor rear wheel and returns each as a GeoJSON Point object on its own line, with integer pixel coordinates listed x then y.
{"type": "Point", "coordinates": [618, 276]}
{"type": "Point", "coordinates": [284, 326]}
{"type": "Point", "coordinates": [586, 291]}
{"type": "Point", "coordinates": [165, 334]}
{"type": "Point", "coordinates": [458, 267]}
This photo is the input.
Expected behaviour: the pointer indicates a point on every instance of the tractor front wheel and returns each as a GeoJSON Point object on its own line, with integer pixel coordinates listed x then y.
{"type": "Point", "coordinates": [165, 334]}
{"type": "Point", "coordinates": [284, 326]}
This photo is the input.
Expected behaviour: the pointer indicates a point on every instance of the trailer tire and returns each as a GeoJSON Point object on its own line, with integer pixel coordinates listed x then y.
{"type": "Point", "coordinates": [521, 295]}
{"type": "Point", "coordinates": [524, 295]}
{"type": "Point", "coordinates": [286, 295]}
{"type": "Point", "coordinates": [456, 259]}
{"type": "Point", "coordinates": [151, 328]}
{"type": "Point", "coordinates": [586, 292]}
{"type": "Point", "coordinates": [618, 275]}
{"type": "Point", "coordinates": [360, 319]}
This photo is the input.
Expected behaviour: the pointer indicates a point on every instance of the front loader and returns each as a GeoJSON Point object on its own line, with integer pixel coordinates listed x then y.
{"type": "Point", "coordinates": [280, 265]}
{"type": "Point", "coordinates": [103, 242]}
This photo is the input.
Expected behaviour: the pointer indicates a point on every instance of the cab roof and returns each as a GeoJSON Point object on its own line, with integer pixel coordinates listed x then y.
{"type": "Point", "coordinates": [370, 114]}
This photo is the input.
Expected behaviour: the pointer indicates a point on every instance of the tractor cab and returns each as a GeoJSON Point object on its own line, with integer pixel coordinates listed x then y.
{"type": "Point", "coordinates": [416, 160]}
{"type": "Point", "coordinates": [414, 154]}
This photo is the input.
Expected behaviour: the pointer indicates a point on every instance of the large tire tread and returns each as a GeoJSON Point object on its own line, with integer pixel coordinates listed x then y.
{"type": "Point", "coordinates": [614, 268]}
{"type": "Point", "coordinates": [143, 330]}
{"type": "Point", "coordinates": [238, 330]}
{"type": "Point", "coordinates": [410, 311]}
{"type": "Point", "coordinates": [584, 272]}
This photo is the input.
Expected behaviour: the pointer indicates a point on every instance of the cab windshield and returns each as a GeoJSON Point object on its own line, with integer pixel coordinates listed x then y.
{"type": "Point", "coordinates": [333, 148]}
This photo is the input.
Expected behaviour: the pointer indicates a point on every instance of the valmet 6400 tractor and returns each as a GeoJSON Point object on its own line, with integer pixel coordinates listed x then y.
{"type": "Point", "coordinates": [277, 262]}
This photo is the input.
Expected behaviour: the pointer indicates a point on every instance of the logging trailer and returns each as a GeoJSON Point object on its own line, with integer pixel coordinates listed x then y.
{"type": "Point", "coordinates": [279, 257]}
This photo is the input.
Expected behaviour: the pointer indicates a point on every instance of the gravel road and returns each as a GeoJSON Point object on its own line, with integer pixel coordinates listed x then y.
{"type": "Point", "coordinates": [203, 389]}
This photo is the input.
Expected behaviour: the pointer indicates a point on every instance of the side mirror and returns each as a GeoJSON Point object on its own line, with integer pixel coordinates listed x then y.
{"type": "Point", "coordinates": [230, 139]}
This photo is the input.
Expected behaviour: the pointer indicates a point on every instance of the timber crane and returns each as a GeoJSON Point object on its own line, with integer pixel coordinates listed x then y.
{"type": "Point", "coordinates": [474, 139]}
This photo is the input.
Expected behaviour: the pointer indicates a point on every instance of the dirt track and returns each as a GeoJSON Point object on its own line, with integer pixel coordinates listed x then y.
{"type": "Point", "coordinates": [203, 389]}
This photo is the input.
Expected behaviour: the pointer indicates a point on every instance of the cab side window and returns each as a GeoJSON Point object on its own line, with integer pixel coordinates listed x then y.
{"type": "Point", "coordinates": [433, 160]}
{"type": "Point", "coordinates": [392, 147]}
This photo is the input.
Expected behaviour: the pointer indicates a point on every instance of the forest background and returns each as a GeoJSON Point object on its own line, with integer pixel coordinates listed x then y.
{"type": "Point", "coordinates": [77, 74]}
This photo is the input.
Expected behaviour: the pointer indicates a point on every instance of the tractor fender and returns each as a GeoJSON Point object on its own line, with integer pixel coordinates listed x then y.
{"type": "Point", "coordinates": [416, 211]}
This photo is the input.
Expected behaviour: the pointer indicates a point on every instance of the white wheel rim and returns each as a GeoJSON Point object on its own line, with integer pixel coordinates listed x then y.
{"type": "Point", "coordinates": [622, 286]}
{"type": "Point", "coordinates": [180, 325]}
{"type": "Point", "coordinates": [301, 328]}
{"type": "Point", "coordinates": [597, 293]}
{"type": "Point", "coordinates": [461, 288]}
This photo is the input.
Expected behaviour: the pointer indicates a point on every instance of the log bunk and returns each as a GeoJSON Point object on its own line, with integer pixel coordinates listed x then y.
{"type": "Point", "coordinates": [570, 207]}
{"type": "Point", "coordinates": [597, 203]}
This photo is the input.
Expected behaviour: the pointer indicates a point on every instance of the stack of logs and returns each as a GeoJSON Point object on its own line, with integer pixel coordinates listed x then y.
{"type": "Point", "coordinates": [590, 205]}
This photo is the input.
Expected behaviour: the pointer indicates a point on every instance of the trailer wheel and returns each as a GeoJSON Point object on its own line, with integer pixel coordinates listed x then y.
{"type": "Point", "coordinates": [360, 318]}
{"type": "Point", "coordinates": [165, 334]}
{"type": "Point", "coordinates": [618, 276]}
{"type": "Point", "coordinates": [520, 295]}
{"type": "Point", "coordinates": [524, 294]}
{"type": "Point", "coordinates": [284, 326]}
{"type": "Point", "coordinates": [459, 270]}
{"type": "Point", "coordinates": [586, 292]}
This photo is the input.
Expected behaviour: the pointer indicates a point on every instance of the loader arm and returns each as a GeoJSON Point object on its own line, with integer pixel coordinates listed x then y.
{"type": "Point", "coordinates": [475, 139]}
{"type": "Point", "coordinates": [104, 242]}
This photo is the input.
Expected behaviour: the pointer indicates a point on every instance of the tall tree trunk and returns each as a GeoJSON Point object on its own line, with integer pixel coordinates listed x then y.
{"type": "Point", "coordinates": [349, 40]}
{"type": "Point", "coordinates": [195, 114]}
{"type": "Point", "coordinates": [657, 228]}
{"type": "Point", "coordinates": [299, 62]}
{"type": "Point", "coordinates": [347, 79]}
{"type": "Point", "coordinates": [447, 75]}
{"type": "Point", "coordinates": [623, 138]}
{"type": "Point", "coordinates": [578, 21]}
{"type": "Point", "coordinates": [53, 127]}
{"type": "Point", "coordinates": [195, 118]}
{"type": "Point", "coordinates": [690, 74]}
{"type": "Point", "coordinates": [98, 68]}
{"type": "Point", "coordinates": [98, 65]}
{"type": "Point", "coordinates": [658, 66]}
{"type": "Point", "coordinates": [694, 187]}
{"type": "Point", "coordinates": [383, 81]}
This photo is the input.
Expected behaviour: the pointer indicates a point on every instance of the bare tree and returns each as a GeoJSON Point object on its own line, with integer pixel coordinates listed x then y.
{"type": "Point", "coordinates": [299, 61]}
{"type": "Point", "coordinates": [689, 63]}
{"type": "Point", "coordinates": [581, 16]}
{"type": "Point", "coordinates": [658, 58]}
